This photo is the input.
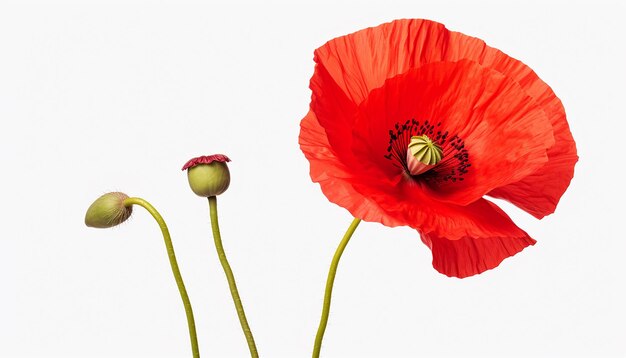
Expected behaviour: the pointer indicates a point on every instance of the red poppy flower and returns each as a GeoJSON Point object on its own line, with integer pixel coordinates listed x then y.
{"type": "Point", "coordinates": [500, 129]}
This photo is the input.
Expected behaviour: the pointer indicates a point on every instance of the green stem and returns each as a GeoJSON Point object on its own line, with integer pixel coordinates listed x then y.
{"type": "Point", "coordinates": [172, 256]}
{"type": "Point", "coordinates": [230, 277]}
{"type": "Point", "coordinates": [329, 286]}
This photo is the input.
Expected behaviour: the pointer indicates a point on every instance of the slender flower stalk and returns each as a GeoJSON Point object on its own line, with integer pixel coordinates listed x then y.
{"type": "Point", "coordinates": [208, 176]}
{"type": "Point", "coordinates": [172, 257]}
{"type": "Point", "coordinates": [230, 277]}
{"type": "Point", "coordinates": [329, 286]}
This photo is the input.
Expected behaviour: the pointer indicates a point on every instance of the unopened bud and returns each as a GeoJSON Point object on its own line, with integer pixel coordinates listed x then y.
{"type": "Point", "coordinates": [108, 211]}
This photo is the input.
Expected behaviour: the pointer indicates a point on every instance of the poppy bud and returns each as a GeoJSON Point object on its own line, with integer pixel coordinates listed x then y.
{"type": "Point", "coordinates": [108, 211]}
{"type": "Point", "coordinates": [208, 175]}
{"type": "Point", "coordinates": [422, 154]}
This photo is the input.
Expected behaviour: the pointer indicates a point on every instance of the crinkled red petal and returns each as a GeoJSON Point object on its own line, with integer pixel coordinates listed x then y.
{"type": "Point", "coordinates": [335, 178]}
{"type": "Point", "coordinates": [469, 255]}
{"type": "Point", "coordinates": [206, 159]}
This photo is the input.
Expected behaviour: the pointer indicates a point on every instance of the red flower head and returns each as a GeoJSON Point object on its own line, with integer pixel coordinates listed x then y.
{"type": "Point", "coordinates": [412, 124]}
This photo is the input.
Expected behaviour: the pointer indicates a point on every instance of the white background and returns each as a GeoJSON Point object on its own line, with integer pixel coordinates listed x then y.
{"type": "Point", "coordinates": [100, 97]}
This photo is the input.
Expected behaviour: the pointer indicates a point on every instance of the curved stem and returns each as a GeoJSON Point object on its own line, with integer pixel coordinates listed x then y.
{"type": "Point", "coordinates": [172, 256]}
{"type": "Point", "coordinates": [230, 277]}
{"type": "Point", "coordinates": [329, 286]}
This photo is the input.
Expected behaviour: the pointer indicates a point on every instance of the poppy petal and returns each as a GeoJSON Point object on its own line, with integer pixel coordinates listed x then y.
{"type": "Point", "coordinates": [334, 177]}
{"type": "Point", "coordinates": [465, 240]}
{"type": "Point", "coordinates": [539, 193]}
{"type": "Point", "coordinates": [335, 113]}
{"type": "Point", "coordinates": [468, 255]}
{"type": "Point", "coordinates": [362, 61]}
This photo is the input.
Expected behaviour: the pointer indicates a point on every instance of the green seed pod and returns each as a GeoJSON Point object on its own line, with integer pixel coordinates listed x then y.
{"type": "Point", "coordinates": [108, 211]}
{"type": "Point", "coordinates": [422, 154]}
{"type": "Point", "coordinates": [208, 175]}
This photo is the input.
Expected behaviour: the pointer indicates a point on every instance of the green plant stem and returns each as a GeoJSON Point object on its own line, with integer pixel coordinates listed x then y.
{"type": "Point", "coordinates": [230, 277]}
{"type": "Point", "coordinates": [172, 256]}
{"type": "Point", "coordinates": [329, 286]}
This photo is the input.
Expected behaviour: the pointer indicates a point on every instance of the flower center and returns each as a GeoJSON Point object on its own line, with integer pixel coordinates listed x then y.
{"type": "Point", "coordinates": [427, 153]}
{"type": "Point", "coordinates": [422, 154]}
